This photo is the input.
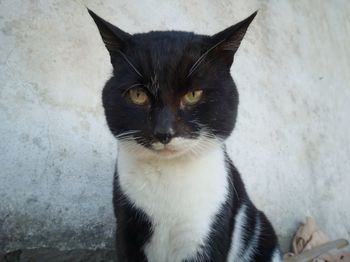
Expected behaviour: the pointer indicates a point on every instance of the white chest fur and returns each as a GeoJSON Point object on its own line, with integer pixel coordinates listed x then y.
{"type": "Point", "coordinates": [181, 197]}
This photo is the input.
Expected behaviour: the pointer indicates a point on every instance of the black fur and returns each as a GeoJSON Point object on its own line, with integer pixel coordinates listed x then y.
{"type": "Point", "coordinates": [133, 228]}
{"type": "Point", "coordinates": [167, 65]}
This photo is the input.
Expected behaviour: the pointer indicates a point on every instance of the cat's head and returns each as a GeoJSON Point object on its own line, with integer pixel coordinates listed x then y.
{"type": "Point", "coordinates": [171, 92]}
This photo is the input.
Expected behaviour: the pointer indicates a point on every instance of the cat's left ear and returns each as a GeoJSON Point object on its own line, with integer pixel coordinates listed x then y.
{"type": "Point", "coordinates": [231, 38]}
{"type": "Point", "coordinates": [113, 37]}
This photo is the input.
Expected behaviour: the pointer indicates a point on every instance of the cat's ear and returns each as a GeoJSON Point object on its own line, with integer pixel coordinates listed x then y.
{"type": "Point", "coordinates": [230, 38]}
{"type": "Point", "coordinates": [113, 37]}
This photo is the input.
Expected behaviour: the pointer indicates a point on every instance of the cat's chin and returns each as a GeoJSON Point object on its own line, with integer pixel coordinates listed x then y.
{"type": "Point", "coordinates": [167, 152]}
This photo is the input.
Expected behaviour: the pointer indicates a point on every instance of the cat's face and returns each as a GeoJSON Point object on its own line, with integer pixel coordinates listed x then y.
{"type": "Point", "coordinates": [171, 93]}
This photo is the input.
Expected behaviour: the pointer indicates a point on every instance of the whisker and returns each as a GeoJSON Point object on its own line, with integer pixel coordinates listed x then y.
{"type": "Point", "coordinates": [196, 65]}
{"type": "Point", "coordinates": [129, 62]}
{"type": "Point", "coordinates": [126, 133]}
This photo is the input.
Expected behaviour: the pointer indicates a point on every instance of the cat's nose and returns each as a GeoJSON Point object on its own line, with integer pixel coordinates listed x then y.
{"type": "Point", "coordinates": [164, 136]}
{"type": "Point", "coordinates": [163, 125]}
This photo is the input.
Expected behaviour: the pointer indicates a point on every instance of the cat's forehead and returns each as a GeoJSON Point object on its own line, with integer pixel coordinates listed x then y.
{"type": "Point", "coordinates": [165, 58]}
{"type": "Point", "coordinates": [160, 49]}
{"type": "Point", "coordinates": [165, 40]}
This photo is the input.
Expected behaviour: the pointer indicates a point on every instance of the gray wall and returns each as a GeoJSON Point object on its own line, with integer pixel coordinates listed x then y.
{"type": "Point", "coordinates": [291, 143]}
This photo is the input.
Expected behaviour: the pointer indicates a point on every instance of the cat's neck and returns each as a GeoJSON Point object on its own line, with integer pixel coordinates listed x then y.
{"type": "Point", "coordinates": [136, 173]}
{"type": "Point", "coordinates": [179, 196]}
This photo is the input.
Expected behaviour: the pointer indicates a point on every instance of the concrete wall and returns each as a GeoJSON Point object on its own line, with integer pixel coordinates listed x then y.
{"type": "Point", "coordinates": [291, 143]}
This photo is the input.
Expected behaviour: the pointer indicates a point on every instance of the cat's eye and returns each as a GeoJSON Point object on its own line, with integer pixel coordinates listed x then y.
{"type": "Point", "coordinates": [138, 96]}
{"type": "Point", "coordinates": [192, 97]}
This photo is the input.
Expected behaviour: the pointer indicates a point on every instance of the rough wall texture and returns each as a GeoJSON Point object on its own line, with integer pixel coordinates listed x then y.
{"type": "Point", "coordinates": [291, 142]}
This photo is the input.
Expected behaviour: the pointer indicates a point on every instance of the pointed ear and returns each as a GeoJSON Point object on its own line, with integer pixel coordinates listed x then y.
{"type": "Point", "coordinates": [113, 37]}
{"type": "Point", "coordinates": [230, 38]}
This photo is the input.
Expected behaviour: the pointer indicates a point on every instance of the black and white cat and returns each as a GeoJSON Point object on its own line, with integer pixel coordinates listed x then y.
{"type": "Point", "coordinates": [171, 103]}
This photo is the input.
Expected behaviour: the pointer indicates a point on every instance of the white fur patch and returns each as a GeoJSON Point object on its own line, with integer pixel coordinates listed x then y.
{"type": "Point", "coordinates": [236, 253]}
{"type": "Point", "coordinates": [254, 242]}
{"type": "Point", "coordinates": [276, 257]}
{"type": "Point", "coordinates": [180, 195]}
{"type": "Point", "coordinates": [237, 236]}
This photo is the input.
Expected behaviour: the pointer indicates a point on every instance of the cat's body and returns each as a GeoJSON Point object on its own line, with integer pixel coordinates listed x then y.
{"type": "Point", "coordinates": [193, 215]}
{"type": "Point", "coordinates": [177, 196]}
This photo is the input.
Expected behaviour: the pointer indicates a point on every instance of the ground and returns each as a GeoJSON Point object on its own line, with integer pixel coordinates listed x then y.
{"type": "Point", "coordinates": [55, 255]}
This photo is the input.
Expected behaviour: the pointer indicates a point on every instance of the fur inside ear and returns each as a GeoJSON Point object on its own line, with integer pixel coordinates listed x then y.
{"type": "Point", "coordinates": [113, 37]}
{"type": "Point", "coordinates": [231, 38]}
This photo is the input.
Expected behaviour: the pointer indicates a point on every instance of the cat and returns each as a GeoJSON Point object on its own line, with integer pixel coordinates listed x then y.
{"type": "Point", "coordinates": [171, 103]}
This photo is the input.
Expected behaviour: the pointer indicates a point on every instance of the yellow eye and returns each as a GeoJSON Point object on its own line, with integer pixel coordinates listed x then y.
{"type": "Point", "coordinates": [192, 97]}
{"type": "Point", "coordinates": [138, 96]}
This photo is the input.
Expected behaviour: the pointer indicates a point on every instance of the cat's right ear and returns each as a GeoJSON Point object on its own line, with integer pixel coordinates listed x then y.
{"type": "Point", "coordinates": [113, 37]}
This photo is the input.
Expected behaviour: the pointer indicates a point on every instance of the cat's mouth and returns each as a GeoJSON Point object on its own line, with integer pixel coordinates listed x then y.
{"type": "Point", "coordinates": [165, 150]}
{"type": "Point", "coordinates": [177, 146]}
